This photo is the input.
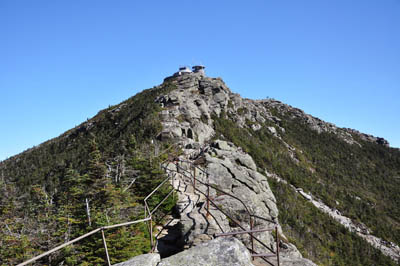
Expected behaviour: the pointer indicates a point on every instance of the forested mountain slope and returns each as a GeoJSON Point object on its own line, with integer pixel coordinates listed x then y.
{"type": "Point", "coordinates": [107, 164]}
{"type": "Point", "coordinates": [113, 160]}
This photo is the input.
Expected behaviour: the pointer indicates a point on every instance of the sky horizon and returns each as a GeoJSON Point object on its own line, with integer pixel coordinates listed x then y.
{"type": "Point", "coordinates": [62, 62]}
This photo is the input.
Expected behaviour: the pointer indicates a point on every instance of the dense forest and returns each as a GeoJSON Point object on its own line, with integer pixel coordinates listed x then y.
{"type": "Point", "coordinates": [94, 175]}
{"type": "Point", "coordinates": [361, 182]}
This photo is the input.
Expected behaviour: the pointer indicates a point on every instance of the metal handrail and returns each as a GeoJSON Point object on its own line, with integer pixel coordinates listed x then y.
{"type": "Point", "coordinates": [149, 212]}
{"type": "Point", "coordinates": [216, 206]}
{"type": "Point", "coordinates": [80, 238]}
{"type": "Point", "coordinates": [244, 232]}
{"type": "Point", "coordinates": [217, 189]}
{"type": "Point", "coordinates": [148, 217]}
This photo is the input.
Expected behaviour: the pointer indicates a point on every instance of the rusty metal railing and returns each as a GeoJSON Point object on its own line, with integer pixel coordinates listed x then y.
{"type": "Point", "coordinates": [263, 255]}
{"type": "Point", "coordinates": [193, 180]}
{"type": "Point", "coordinates": [148, 214]}
{"type": "Point", "coordinates": [82, 237]}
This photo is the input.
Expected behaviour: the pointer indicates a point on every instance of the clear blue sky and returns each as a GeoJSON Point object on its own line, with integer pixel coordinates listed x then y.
{"type": "Point", "coordinates": [63, 61]}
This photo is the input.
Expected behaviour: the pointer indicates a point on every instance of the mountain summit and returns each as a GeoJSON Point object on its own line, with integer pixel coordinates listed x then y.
{"type": "Point", "coordinates": [330, 194]}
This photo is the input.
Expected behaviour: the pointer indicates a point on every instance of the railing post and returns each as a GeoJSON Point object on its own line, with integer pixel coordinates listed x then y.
{"type": "Point", "coordinates": [151, 232]}
{"type": "Point", "coordinates": [194, 178]}
{"type": "Point", "coordinates": [146, 208]}
{"type": "Point", "coordinates": [173, 186]}
{"type": "Point", "coordinates": [208, 197]}
{"type": "Point", "coordinates": [277, 244]}
{"type": "Point", "coordinates": [251, 237]}
{"type": "Point", "coordinates": [105, 247]}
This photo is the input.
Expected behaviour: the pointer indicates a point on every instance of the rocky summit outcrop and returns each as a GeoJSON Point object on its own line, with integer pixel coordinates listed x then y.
{"type": "Point", "coordinates": [188, 111]}
{"type": "Point", "coordinates": [187, 119]}
{"type": "Point", "coordinates": [241, 198]}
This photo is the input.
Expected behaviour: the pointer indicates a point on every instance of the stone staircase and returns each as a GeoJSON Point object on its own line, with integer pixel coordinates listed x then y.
{"type": "Point", "coordinates": [188, 225]}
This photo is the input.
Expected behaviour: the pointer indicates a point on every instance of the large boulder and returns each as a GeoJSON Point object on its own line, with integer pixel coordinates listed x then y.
{"type": "Point", "coordinates": [220, 251]}
{"type": "Point", "coordinates": [142, 260]}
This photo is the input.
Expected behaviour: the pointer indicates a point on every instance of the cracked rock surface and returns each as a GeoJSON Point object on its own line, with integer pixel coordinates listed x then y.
{"type": "Point", "coordinates": [142, 260]}
{"type": "Point", "coordinates": [220, 251]}
{"type": "Point", "coordinates": [187, 120]}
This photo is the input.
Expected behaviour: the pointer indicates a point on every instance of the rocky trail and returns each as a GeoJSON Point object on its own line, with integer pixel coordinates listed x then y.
{"type": "Point", "coordinates": [187, 121]}
{"type": "Point", "coordinates": [190, 226]}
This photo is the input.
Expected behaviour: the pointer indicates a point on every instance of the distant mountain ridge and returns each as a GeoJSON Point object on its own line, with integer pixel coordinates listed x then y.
{"type": "Point", "coordinates": [322, 126]}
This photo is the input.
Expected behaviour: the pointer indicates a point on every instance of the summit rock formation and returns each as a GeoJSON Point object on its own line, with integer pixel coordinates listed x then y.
{"type": "Point", "coordinates": [187, 120]}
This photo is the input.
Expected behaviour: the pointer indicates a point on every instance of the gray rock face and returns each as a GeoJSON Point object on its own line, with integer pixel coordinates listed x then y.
{"type": "Point", "coordinates": [187, 119]}
{"type": "Point", "coordinates": [232, 171]}
{"type": "Point", "coordinates": [220, 251]}
{"type": "Point", "coordinates": [235, 172]}
{"type": "Point", "coordinates": [142, 260]}
{"type": "Point", "coordinates": [368, 137]}
{"type": "Point", "coordinates": [223, 145]}
{"type": "Point", "coordinates": [190, 107]}
{"type": "Point", "coordinates": [200, 97]}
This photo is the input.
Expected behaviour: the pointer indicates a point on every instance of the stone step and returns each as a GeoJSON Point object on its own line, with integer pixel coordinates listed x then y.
{"type": "Point", "coordinates": [189, 204]}
{"type": "Point", "coordinates": [187, 201]}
